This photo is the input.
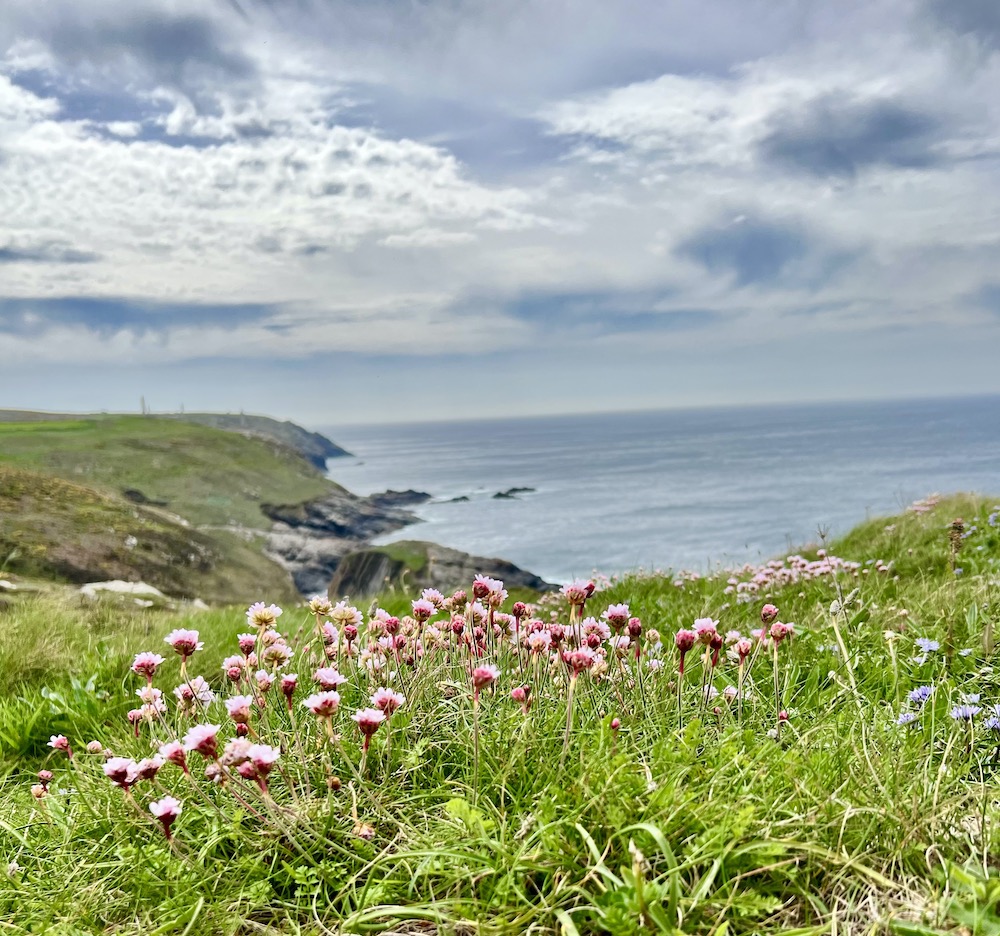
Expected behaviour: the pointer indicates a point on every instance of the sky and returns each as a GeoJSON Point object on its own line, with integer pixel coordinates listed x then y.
{"type": "Point", "coordinates": [344, 211]}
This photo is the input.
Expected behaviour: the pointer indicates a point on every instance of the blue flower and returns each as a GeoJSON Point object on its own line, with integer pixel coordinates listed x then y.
{"type": "Point", "coordinates": [921, 694]}
{"type": "Point", "coordinates": [992, 723]}
{"type": "Point", "coordinates": [965, 652]}
{"type": "Point", "coordinates": [970, 698]}
{"type": "Point", "coordinates": [928, 645]}
{"type": "Point", "coordinates": [965, 712]}
{"type": "Point", "coordinates": [905, 718]}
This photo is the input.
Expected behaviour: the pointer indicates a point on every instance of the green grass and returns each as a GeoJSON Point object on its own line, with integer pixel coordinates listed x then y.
{"type": "Point", "coordinates": [848, 823]}
{"type": "Point", "coordinates": [208, 476]}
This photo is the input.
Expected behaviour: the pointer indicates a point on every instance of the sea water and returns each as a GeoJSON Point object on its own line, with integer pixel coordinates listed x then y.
{"type": "Point", "coordinates": [681, 489]}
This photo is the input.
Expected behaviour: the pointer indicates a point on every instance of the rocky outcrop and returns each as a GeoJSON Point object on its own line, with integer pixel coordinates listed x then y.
{"type": "Point", "coordinates": [311, 538]}
{"type": "Point", "coordinates": [413, 565]}
{"type": "Point", "coordinates": [408, 498]}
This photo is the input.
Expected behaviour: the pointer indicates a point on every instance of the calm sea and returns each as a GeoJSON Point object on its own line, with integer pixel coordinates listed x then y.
{"type": "Point", "coordinates": [672, 489]}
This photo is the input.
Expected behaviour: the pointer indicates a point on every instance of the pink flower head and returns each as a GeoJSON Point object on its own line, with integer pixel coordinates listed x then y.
{"type": "Point", "coordinates": [617, 616]}
{"type": "Point", "coordinates": [94, 747]}
{"type": "Point", "coordinates": [329, 678]}
{"type": "Point", "coordinates": [386, 700]}
{"type": "Point", "coordinates": [166, 810]}
{"type": "Point", "coordinates": [433, 596]}
{"type": "Point", "coordinates": [194, 690]}
{"type": "Point", "coordinates": [685, 640]}
{"type": "Point", "coordinates": [539, 641]}
{"type": "Point", "coordinates": [368, 720]}
{"type": "Point", "coordinates": [173, 753]}
{"type": "Point", "coordinates": [330, 633]}
{"type": "Point", "coordinates": [203, 739]}
{"type": "Point", "coordinates": [485, 675]}
{"type": "Point", "coordinates": [519, 610]}
{"type": "Point", "coordinates": [768, 613]}
{"type": "Point", "coordinates": [259, 762]}
{"type": "Point", "coordinates": [247, 643]}
{"type": "Point", "coordinates": [59, 742]}
{"type": "Point", "coordinates": [233, 668]}
{"type": "Point", "coordinates": [423, 610]}
{"type": "Point", "coordinates": [577, 592]}
{"type": "Point", "coordinates": [345, 614]}
{"type": "Point", "coordinates": [580, 660]}
{"type": "Point", "coordinates": [121, 771]}
{"type": "Point", "coordinates": [743, 648]}
{"type": "Point", "coordinates": [323, 704]}
{"type": "Point", "coordinates": [148, 768]}
{"type": "Point", "coordinates": [320, 604]}
{"type": "Point", "coordinates": [277, 654]}
{"type": "Point", "coordinates": [615, 724]}
{"type": "Point", "coordinates": [520, 693]}
{"type": "Point", "coordinates": [263, 616]}
{"type": "Point", "coordinates": [706, 630]}
{"type": "Point", "coordinates": [289, 683]}
{"type": "Point", "coordinates": [184, 642]}
{"type": "Point", "coordinates": [634, 627]}
{"type": "Point", "coordinates": [779, 631]}
{"type": "Point", "coordinates": [145, 664]}
{"type": "Point", "coordinates": [238, 708]}
{"type": "Point", "coordinates": [264, 680]}
{"type": "Point", "coordinates": [458, 601]}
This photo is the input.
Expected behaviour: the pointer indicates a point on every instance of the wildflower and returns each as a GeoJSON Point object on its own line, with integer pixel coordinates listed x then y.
{"type": "Point", "coordinates": [779, 631]}
{"type": "Point", "coordinates": [323, 704]}
{"type": "Point", "coordinates": [121, 771]}
{"type": "Point", "coordinates": [522, 695]}
{"type": "Point", "coordinates": [927, 645]}
{"type": "Point", "coordinates": [329, 678]}
{"type": "Point", "coordinates": [238, 708]}
{"type": "Point", "coordinates": [706, 630]}
{"type": "Point", "coordinates": [261, 759]}
{"type": "Point", "coordinates": [45, 777]}
{"type": "Point", "coordinates": [148, 768]}
{"type": "Point", "coordinates": [921, 694]}
{"type": "Point", "coordinates": [577, 592]}
{"type": "Point", "coordinates": [423, 610]}
{"type": "Point", "coordinates": [617, 616]}
{"type": "Point", "coordinates": [264, 680]}
{"type": "Point", "coordinates": [966, 651]}
{"type": "Point", "coordinates": [166, 810]}
{"type": "Point", "coordinates": [320, 604]}
{"type": "Point", "coordinates": [59, 743]}
{"type": "Point", "coordinates": [236, 752]}
{"type": "Point", "coordinates": [247, 642]}
{"type": "Point", "coordinates": [743, 648]}
{"type": "Point", "coordinates": [173, 752]}
{"type": "Point", "coordinates": [769, 613]}
{"type": "Point", "coordinates": [433, 596]}
{"type": "Point", "coordinates": [38, 791]}
{"type": "Point", "coordinates": [289, 682]}
{"type": "Point", "coordinates": [345, 614]}
{"type": "Point", "coordinates": [368, 720]}
{"type": "Point", "coordinates": [277, 654]}
{"type": "Point", "coordinates": [483, 676]}
{"type": "Point", "coordinates": [387, 700]}
{"type": "Point", "coordinates": [184, 642]}
{"type": "Point", "coordinates": [970, 698]}
{"type": "Point", "coordinates": [232, 666]}
{"type": "Point", "coordinates": [579, 660]}
{"type": "Point", "coordinates": [906, 718]}
{"type": "Point", "coordinates": [489, 590]}
{"type": "Point", "coordinates": [194, 690]}
{"type": "Point", "coordinates": [684, 640]}
{"type": "Point", "coordinates": [263, 616]}
{"type": "Point", "coordinates": [145, 664]}
{"type": "Point", "coordinates": [94, 747]}
{"type": "Point", "coordinates": [965, 712]}
{"type": "Point", "coordinates": [615, 724]}
{"type": "Point", "coordinates": [204, 740]}
{"type": "Point", "coordinates": [539, 641]}
{"type": "Point", "coordinates": [519, 609]}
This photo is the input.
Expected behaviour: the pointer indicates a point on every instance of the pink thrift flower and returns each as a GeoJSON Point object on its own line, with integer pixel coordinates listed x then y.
{"type": "Point", "coordinates": [247, 642]}
{"type": "Point", "coordinates": [323, 704]}
{"type": "Point", "coordinates": [263, 616]}
{"type": "Point", "coordinates": [578, 591]}
{"type": "Point", "coordinates": [617, 616]}
{"type": "Point", "coordinates": [387, 700]}
{"type": "Point", "coordinates": [685, 640]}
{"type": "Point", "coordinates": [263, 757]}
{"type": "Point", "coordinates": [320, 604]}
{"type": "Point", "coordinates": [779, 632]}
{"type": "Point", "coordinates": [343, 614]}
{"type": "Point", "coordinates": [580, 660]}
{"type": "Point", "coordinates": [329, 678]}
{"type": "Point", "coordinates": [289, 683]}
{"type": "Point", "coordinates": [238, 708]}
{"type": "Point", "coordinates": [768, 613]}
{"type": "Point", "coordinates": [264, 680]}
{"type": "Point", "coordinates": [433, 596]}
{"type": "Point", "coordinates": [423, 610]}
{"type": "Point", "coordinates": [203, 739]}
{"type": "Point", "coordinates": [121, 771]}
{"type": "Point", "coordinates": [707, 630]}
{"type": "Point", "coordinates": [60, 743]}
{"type": "Point", "coordinates": [743, 648]}
{"type": "Point", "coordinates": [173, 753]}
{"type": "Point", "coordinates": [148, 768]}
{"type": "Point", "coordinates": [368, 720]}
{"type": "Point", "coordinates": [166, 810]}
{"type": "Point", "coordinates": [615, 724]}
{"type": "Point", "coordinates": [145, 664]}
{"type": "Point", "coordinates": [519, 610]}
{"type": "Point", "coordinates": [94, 747]}
{"type": "Point", "coordinates": [483, 676]}
{"type": "Point", "coordinates": [184, 642]}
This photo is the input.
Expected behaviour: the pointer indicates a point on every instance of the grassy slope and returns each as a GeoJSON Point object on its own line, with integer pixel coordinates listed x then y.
{"type": "Point", "coordinates": [208, 476]}
{"type": "Point", "coordinates": [211, 478]}
{"type": "Point", "coordinates": [851, 824]}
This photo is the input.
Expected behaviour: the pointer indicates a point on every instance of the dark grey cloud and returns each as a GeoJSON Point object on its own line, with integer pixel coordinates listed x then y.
{"type": "Point", "coordinates": [183, 51]}
{"type": "Point", "coordinates": [979, 18]}
{"type": "Point", "coordinates": [597, 313]}
{"type": "Point", "coordinates": [833, 136]}
{"type": "Point", "coordinates": [48, 252]}
{"type": "Point", "coordinates": [761, 251]}
{"type": "Point", "coordinates": [107, 317]}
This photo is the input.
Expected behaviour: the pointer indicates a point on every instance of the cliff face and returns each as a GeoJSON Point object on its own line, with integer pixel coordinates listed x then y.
{"type": "Point", "coordinates": [310, 539]}
{"type": "Point", "coordinates": [413, 565]}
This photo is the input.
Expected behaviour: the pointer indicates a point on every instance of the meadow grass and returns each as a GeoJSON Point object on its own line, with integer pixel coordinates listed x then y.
{"type": "Point", "coordinates": [470, 815]}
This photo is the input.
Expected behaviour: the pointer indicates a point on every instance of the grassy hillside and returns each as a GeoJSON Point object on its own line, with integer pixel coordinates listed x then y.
{"type": "Point", "coordinates": [207, 476]}
{"type": "Point", "coordinates": [872, 810]}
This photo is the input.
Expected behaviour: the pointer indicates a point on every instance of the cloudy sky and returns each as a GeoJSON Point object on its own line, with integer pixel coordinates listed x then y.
{"type": "Point", "coordinates": [380, 210]}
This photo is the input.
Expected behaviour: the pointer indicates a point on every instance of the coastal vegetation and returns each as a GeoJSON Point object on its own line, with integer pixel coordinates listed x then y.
{"type": "Point", "coordinates": [808, 746]}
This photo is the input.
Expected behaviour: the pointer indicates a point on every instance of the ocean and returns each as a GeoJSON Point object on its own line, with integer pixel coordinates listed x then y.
{"type": "Point", "coordinates": [672, 489]}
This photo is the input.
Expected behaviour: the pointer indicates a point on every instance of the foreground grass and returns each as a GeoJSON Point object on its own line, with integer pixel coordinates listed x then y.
{"type": "Point", "coordinates": [849, 823]}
